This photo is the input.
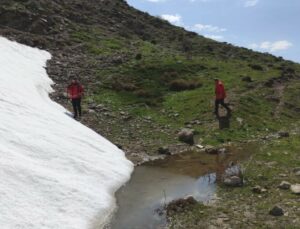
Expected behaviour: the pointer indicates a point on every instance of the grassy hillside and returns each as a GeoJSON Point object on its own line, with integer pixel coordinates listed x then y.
{"type": "Point", "coordinates": [146, 79]}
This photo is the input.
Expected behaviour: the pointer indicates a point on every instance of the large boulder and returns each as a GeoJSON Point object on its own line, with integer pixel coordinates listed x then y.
{"type": "Point", "coordinates": [186, 136]}
{"type": "Point", "coordinates": [233, 176]}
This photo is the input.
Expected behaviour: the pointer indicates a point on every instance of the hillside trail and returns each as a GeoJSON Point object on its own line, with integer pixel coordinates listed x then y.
{"type": "Point", "coordinates": [278, 87]}
{"type": "Point", "coordinates": [279, 92]}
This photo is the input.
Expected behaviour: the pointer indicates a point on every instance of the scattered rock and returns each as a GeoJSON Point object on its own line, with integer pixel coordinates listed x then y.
{"type": "Point", "coordinates": [295, 189]}
{"type": "Point", "coordinates": [164, 150]}
{"type": "Point", "coordinates": [283, 134]}
{"type": "Point", "coordinates": [276, 211]}
{"type": "Point", "coordinates": [200, 146]}
{"type": "Point", "coordinates": [249, 215]}
{"type": "Point", "coordinates": [222, 151]}
{"type": "Point", "coordinates": [233, 176]}
{"type": "Point", "coordinates": [196, 122]}
{"type": "Point", "coordinates": [284, 185]}
{"type": "Point", "coordinates": [296, 171]}
{"type": "Point", "coordinates": [240, 121]}
{"type": "Point", "coordinates": [117, 60]}
{"type": "Point", "coordinates": [180, 205]}
{"type": "Point", "coordinates": [233, 181]}
{"type": "Point", "coordinates": [271, 163]}
{"type": "Point", "coordinates": [211, 150]}
{"type": "Point", "coordinates": [259, 190]}
{"type": "Point", "coordinates": [187, 136]}
{"type": "Point", "coordinates": [189, 126]}
{"type": "Point", "coordinates": [119, 146]}
{"type": "Point", "coordinates": [247, 79]}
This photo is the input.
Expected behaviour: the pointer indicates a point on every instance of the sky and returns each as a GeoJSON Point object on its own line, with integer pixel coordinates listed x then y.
{"type": "Point", "coordinates": [262, 25]}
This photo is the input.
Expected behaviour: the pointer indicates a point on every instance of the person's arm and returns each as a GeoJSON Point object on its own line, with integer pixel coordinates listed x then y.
{"type": "Point", "coordinates": [69, 93]}
{"type": "Point", "coordinates": [81, 91]}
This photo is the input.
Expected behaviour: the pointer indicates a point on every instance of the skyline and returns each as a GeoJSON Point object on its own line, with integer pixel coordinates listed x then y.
{"type": "Point", "coordinates": [260, 25]}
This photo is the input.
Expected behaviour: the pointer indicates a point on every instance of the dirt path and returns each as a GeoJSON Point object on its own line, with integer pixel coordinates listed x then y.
{"type": "Point", "coordinates": [279, 92]}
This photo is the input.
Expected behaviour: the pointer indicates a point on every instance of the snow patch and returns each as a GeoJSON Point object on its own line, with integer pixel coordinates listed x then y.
{"type": "Point", "coordinates": [55, 172]}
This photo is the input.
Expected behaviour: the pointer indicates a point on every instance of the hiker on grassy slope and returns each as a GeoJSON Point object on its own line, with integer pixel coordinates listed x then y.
{"type": "Point", "coordinates": [220, 96]}
{"type": "Point", "coordinates": [75, 93]}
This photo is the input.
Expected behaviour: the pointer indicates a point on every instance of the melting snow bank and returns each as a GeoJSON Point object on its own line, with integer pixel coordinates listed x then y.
{"type": "Point", "coordinates": [54, 172]}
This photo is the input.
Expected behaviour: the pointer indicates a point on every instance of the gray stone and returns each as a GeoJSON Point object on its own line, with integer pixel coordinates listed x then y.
{"type": "Point", "coordinates": [187, 136]}
{"type": "Point", "coordinates": [211, 150]}
{"type": "Point", "coordinates": [247, 79]}
{"type": "Point", "coordinates": [257, 189]}
{"type": "Point", "coordinates": [276, 211]}
{"type": "Point", "coordinates": [233, 170]}
{"type": "Point", "coordinates": [284, 185]}
{"type": "Point", "coordinates": [240, 121]}
{"type": "Point", "coordinates": [283, 134]}
{"type": "Point", "coordinates": [295, 189]}
{"type": "Point", "coordinates": [296, 169]}
{"type": "Point", "coordinates": [233, 181]}
{"type": "Point", "coordinates": [164, 150]}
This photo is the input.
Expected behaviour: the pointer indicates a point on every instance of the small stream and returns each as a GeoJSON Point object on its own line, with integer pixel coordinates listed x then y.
{"type": "Point", "coordinates": [156, 183]}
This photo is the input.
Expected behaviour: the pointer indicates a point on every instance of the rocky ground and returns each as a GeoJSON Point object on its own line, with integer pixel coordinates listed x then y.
{"type": "Point", "coordinates": [269, 197]}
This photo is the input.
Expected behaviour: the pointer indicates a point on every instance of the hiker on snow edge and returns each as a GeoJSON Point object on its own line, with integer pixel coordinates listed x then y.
{"type": "Point", "coordinates": [75, 93]}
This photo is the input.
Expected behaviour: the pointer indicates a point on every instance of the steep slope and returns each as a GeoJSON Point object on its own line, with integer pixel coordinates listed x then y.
{"type": "Point", "coordinates": [146, 79]}
{"type": "Point", "coordinates": [55, 172]}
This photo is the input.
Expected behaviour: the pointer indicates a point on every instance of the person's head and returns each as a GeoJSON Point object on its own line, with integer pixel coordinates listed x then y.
{"type": "Point", "coordinates": [216, 80]}
{"type": "Point", "coordinates": [74, 80]}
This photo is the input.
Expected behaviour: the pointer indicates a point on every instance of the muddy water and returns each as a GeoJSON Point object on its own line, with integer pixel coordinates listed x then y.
{"type": "Point", "coordinates": [154, 184]}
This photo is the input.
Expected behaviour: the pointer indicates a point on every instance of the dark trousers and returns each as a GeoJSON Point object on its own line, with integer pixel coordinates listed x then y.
{"type": "Point", "coordinates": [220, 101]}
{"type": "Point", "coordinates": [76, 107]}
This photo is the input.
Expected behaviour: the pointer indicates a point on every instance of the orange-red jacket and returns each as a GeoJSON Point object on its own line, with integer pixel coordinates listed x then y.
{"type": "Point", "coordinates": [220, 90]}
{"type": "Point", "coordinates": [75, 91]}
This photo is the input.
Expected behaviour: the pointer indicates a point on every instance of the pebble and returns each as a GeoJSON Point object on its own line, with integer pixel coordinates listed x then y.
{"type": "Point", "coordinates": [284, 185]}
{"type": "Point", "coordinates": [276, 211]}
{"type": "Point", "coordinates": [295, 189]}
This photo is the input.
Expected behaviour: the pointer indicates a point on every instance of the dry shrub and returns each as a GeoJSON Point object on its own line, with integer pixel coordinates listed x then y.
{"type": "Point", "coordinates": [142, 93]}
{"type": "Point", "coordinates": [170, 76]}
{"type": "Point", "coordinates": [256, 67]}
{"type": "Point", "coordinates": [182, 85]}
{"type": "Point", "coordinates": [123, 86]}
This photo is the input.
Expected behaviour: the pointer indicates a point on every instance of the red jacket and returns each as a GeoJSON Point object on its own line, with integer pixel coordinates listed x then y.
{"type": "Point", "coordinates": [75, 91]}
{"type": "Point", "coordinates": [220, 90]}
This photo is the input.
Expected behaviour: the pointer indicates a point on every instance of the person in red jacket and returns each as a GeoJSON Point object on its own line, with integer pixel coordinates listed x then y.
{"type": "Point", "coordinates": [220, 96]}
{"type": "Point", "coordinates": [75, 93]}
